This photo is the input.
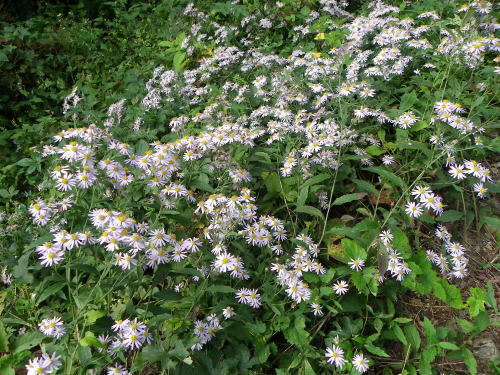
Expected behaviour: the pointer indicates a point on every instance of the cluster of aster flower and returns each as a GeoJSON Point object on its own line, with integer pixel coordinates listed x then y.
{"type": "Point", "coordinates": [335, 356]}
{"type": "Point", "coordinates": [289, 274]}
{"type": "Point", "coordinates": [249, 297]}
{"type": "Point", "coordinates": [43, 365]}
{"type": "Point", "coordinates": [427, 199]}
{"type": "Point", "coordinates": [53, 327]}
{"type": "Point", "coordinates": [5, 276]}
{"type": "Point", "coordinates": [42, 212]}
{"type": "Point", "coordinates": [453, 262]}
{"type": "Point", "coordinates": [396, 265]}
{"type": "Point", "coordinates": [129, 335]}
{"type": "Point", "coordinates": [380, 46]}
{"type": "Point", "coordinates": [52, 252]}
{"type": "Point", "coordinates": [206, 330]}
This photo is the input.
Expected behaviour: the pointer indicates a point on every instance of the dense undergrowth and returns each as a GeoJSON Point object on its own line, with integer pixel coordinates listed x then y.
{"type": "Point", "coordinates": [246, 187]}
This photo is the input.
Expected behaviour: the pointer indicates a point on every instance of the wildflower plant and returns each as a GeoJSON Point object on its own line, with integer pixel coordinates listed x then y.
{"type": "Point", "coordinates": [251, 190]}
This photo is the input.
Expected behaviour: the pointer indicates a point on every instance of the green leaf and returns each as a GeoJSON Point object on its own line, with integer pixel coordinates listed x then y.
{"type": "Point", "coordinates": [448, 345]}
{"type": "Point", "coordinates": [346, 199]}
{"type": "Point", "coordinates": [141, 147]}
{"type": "Point", "coordinates": [202, 183]}
{"type": "Point", "coordinates": [399, 334]}
{"type": "Point", "coordinates": [388, 175]}
{"type": "Point", "coordinates": [273, 183]}
{"type": "Point", "coordinates": [470, 361]}
{"type": "Point", "coordinates": [302, 196]}
{"type": "Point", "coordinates": [51, 290]}
{"type": "Point", "coordinates": [407, 101]}
{"type": "Point", "coordinates": [427, 357]}
{"type": "Point", "coordinates": [4, 342]}
{"type": "Point", "coordinates": [91, 340]}
{"type": "Point", "coordinates": [491, 220]}
{"type": "Point", "coordinates": [310, 211]}
{"type": "Point", "coordinates": [93, 315]}
{"type": "Point", "coordinates": [359, 282]}
{"type": "Point", "coordinates": [365, 186]}
{"type": "Point", "coordinates": [376, 350]}
{"type": "Point", "coordinates": [412, 336]}
{"type": "Point", "coordinates": [402, 320]}
{"type": "Point", "coordinates": [353, 250]}
{"type": "Point", "coordinates": [430, 330]}
{"type": "Point", "coordinates": [316, 180]}
{"type": "Point", "coordinates": [220, 289]}
{"type": "Point", "coordinates": [375, 150]}
{"type": "Point", "coordinates": [27, 341]}
{"type": "Point", "coordinates": [467, 327]}
{"type": "Point", "coordinates": [450, 215]}
{"type": "Point", "coordinates": [179, 62]}
{"type": "Point", "coordinates": [476, 301]}
{"type": "Point", "coordinates": [490, 297]}
{"type": "Point", "coordinates": [344, 231]}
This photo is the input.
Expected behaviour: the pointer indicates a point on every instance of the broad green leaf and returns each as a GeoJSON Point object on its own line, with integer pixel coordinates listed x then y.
{"type": "Point", "coordinates": [386, 174]}
{"type": "Point", "coordinates": [91, 340]}
{"type": "Point", "coordinates": [4, 342]}
{"type": "Point", "coordinates": [344, 231]}
{"type": "Point", "coordinates": [51, 290]}
{"type": "Point", "coordinates": [310, 211]}
{"type": "Point", "coordinates": [302, 196]}
{"type": "Point", "coordinates": [141, 147]}
{"type": "Point", "coordinates": [375, 150]}
{"type": "Point", "coordinates": [450, 215]}
{"type": "Point", "coordinates": [467, 327]}
{"type": "Point", "coordinates": [376, 350]}
{"type": "Point", "coordinates": [316, 180]}
{"type": "Point", "coordinates": [346, 199]}
{"type": "Point", "coordinates": [399, 334]}
{"type": "Point", "coordinates": [413, 337]}
{"type": "Point", "coordinates": [365, 186]}
{"type": "Point", "coordinates": [353, 250]}
{"type": "Point", "coordinates": [470, 361]}
{"type": "Point", "coordinates": [179, 61]}
{"type": "Point", "coordinates": [448, 345]}
{"type": "Point", "coordinates": [220, 289]}
{"type": "Point", "coordinates": [27, 341]}
{"type": "Point", "coordinates": [93, 315]}
{"type": "Point", "coordinates": [430, 330]}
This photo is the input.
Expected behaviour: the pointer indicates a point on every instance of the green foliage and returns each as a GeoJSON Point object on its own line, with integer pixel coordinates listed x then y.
{"type": "Point", "coordinates": [254, 190]}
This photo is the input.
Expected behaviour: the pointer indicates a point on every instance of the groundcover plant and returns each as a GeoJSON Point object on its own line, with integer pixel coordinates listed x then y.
{"type": "Point", "coordinates": [266, 201]}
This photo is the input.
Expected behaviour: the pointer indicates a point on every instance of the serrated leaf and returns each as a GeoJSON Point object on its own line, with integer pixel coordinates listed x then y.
{"type": "Point", "coordinates": [141, 147]}
{"type": "Point", "coordinates": [346, 199]}
{"type": "Point", "coordinates": [430, 330]}
{"type": "Point", "coordinates": [448, 345]}
{"type": "Point", "coordinates": [4, 341]}
{"type": "Point", "coordinates": [93, 315]}
{"type": "Point", "coordinates": [302, 196]}
{"type": "Point", "coordinates": [470, 361]}
{"type": "Point", "coordinates": [388, 175]}
{"type": "Point", "coordinates": [375, 150]}
{"type": "Point", "coordinates": [467, 327]}
{"type": "Point", "coordinates": [353, 250]}
{"type": "Point", "coordinates": [399, 334]}
{"type": "Point", "coordinates": [51, 290]}
{"type": "Point", "coordinates": [91, 340]}
{"type": "Point", "coordinates": [376, 350]}
{"type": "Point", "coordinates": [316, 180]}
{"type": "Point", "coordinates": [365, 186]}
{"type": "Point", "coordinates": [412, 336]}
{"type": "Point", "coordinates": [450, 215]}
{"type": "Point", "coordinates": [310, 211]}
{"type": "Point", "coordinates": [220, 289]}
